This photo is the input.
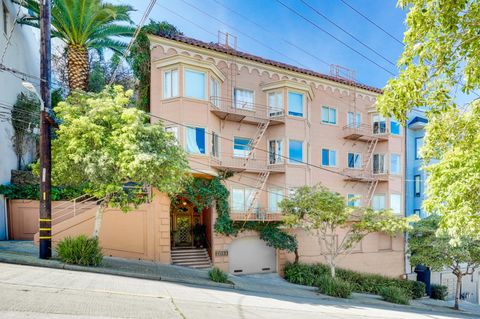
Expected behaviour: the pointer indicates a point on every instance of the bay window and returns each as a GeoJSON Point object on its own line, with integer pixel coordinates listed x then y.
{"type": "Point", "coordinates": [170, 84]}
{"type": "Point", "coordinates": [215, 91]}
{"type": "Point", "coordinates": [275, 103]}
{"type": "Point", "coordinates": [378, 124]}
{"type": "Point", "coordinates": [295, 104]}
{"type": "Point", "coordinates": [194, 84]}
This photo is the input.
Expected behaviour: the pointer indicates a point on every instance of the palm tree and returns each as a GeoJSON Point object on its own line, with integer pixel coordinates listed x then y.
{"type": "Point", "coordinates": [83, 25]}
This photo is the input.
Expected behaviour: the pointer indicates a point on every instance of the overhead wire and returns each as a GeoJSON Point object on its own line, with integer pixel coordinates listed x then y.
{"type": "Point", "coordinates": [9, 38]}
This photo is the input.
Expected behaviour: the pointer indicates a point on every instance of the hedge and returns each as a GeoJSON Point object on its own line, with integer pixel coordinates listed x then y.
{"type": "Point", "coordinates": [304, 274]}
{"type": "Point", "coordinates": [32, 192]}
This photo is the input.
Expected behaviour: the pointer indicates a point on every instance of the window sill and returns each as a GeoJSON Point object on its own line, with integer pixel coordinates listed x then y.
{"type": "Point", "coordinates": [329, 124]}
{"type": "Point", "coordinates": [171, 99]}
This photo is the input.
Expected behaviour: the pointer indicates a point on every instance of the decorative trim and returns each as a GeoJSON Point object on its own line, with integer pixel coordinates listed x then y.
{"type": "Point", "coordinates": [289, 84]}
{"type": "Point", "coordinates": [187, 60]}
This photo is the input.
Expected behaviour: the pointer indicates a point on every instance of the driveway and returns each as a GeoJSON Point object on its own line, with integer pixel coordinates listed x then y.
{"type": "Point", "coordinates": [35, 292]}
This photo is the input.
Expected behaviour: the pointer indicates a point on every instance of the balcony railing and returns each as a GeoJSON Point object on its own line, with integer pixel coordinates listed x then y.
{"type": "Point", "coordinates": [241, 164]}
{"type": "Point", "coordinates": [259, 214]}
{"type": "Point", "coordinates": [229, 109]}
{"type": "Point", "coordinates": [365, 175]}
{"type": "Point", "coordinates": [355, 131]}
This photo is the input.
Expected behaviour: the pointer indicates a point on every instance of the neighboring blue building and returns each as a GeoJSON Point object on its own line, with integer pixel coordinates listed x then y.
{"type": "Point", "coordinates": [414, 175]}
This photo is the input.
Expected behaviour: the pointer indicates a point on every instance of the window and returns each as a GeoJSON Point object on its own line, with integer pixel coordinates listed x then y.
{"type": "Point", "coordinates": [378, 202]}
{"type": "Point", "coordinates": [170, 84]}
{"type": "Point", "coordinates": [275, 103]}
{"type": "Point", "coordinates": [241, 146]}
{"type": "Point", "coordinates": [241, 199]}
{"type": "Point", "coordinates": [329, 115]}
{"type": "Point", "coordinates": [194, 84]}
{"type": "Point", "coordinates": [6, 17]}
{"type": "Point", "coordinates": [353, 200]}
{"type": "Point", "coordinates": [416, 212]}
{"type": "Point", "coordinates": [417, 185]}
{"type": "Point", "coordinates": [418, 147]}
{"type": "Point", "coordinates": [378, 163]}
{"type": "Point", "coordinates": [329, 157]}
{"type": "Point", "coordinates": [243, 99]}
{"type": "Point", "coordinates": [195, 140]}
{"type": "Point", "coordinates": [295, 152]}
{"type": "Point", "coordinates": [395, 166]}
{"type": "Point", "coordinates": [172, 130]}
{"type": "Point", "coordinates": [394, 127]}
{"type": "Point", "coordinates": [215, 146]}
{"type": "Point", "coordinates": [354, 160]}
{"type": "Point", "coordinates": [275, 151]}
{"type": "Point", "coordinates": [378, 124]}
{"type": "Point", "coordinates": [215, 91]}
{"type": "Point", "coordinates": [396, 203]}
{"type": "Point", "coordinates": [292, 191]}
{"type": "Point", "coordinates": [354, 119]}
{"type": "Point", "coordinates": [295, 104]}
{"type": "Point", "coordinates": [275, 196]}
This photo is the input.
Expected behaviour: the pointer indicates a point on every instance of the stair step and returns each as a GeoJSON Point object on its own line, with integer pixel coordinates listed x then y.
{"type": "Point", "coordinates": [191, 264]}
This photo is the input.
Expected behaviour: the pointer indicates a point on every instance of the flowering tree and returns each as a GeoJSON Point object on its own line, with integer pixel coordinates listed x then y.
{"type": "Point", "coordinates": [325, 213]}
{"type": "Point", "coordinates": [436, 249]}
{"type": "Point", "coordinates": [104, 143]}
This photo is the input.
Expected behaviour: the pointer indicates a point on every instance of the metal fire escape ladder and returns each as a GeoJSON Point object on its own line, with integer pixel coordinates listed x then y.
{"type": "Point", "coordinates": [261, 129]}
{"type": "Point", "coordinates": [254, 196]}
{"type": "Point", "coordinates": [370, 149]}
{"type": "Point", "coordinates": [372, 186]}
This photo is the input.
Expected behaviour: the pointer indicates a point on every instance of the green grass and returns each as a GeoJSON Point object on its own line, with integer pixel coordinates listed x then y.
{"type": "Point", "coordinates": [80, 250]}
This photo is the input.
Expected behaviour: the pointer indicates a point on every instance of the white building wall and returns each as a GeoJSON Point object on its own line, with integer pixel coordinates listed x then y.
{"type": "Point", "coordinates": [470, 284]}
{"type": "Point", "coordinates": [22, 54]}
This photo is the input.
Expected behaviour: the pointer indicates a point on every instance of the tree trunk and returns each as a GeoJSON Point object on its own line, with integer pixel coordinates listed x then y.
{"type": "Point", "coordinates": [458, 289]}
{"type": "Point", "coordinates": [77, 63]}
{"type": "Point", "coordinates": [332, 266]}
{"type": "Point", "coordinates": [98, 220]}
{"type": "Point", "coordinates": [297, 257]}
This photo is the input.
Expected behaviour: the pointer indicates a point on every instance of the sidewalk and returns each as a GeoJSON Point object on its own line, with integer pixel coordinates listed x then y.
{"type": "Point", "coordinates": [25, 253]}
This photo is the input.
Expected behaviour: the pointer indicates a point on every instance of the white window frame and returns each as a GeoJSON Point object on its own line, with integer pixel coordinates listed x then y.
{"type": "Point", "coordinates": [215, 91]}
{"type": "Point", "coordinates": [380, 118]}
{"type": "Point", "coordinates": [240, 155]}
{"type": "Point", "coordinates": [205, 77]}
{"type": "Point", "coordinates": [329, 154]}
{"type": "Point", "coordinates": [276, 110]}
{"type": "Point", "coordinates": [399, 172]}
{"type": "Point", "coordinates": [354, 125]}
{"type": "Point", "coordinates": [279, 193]}
{"type": "Point", "coordinates": [173, 84]}
{"type": "Point", "coordinates": [303, 104]}
{"type": "Point", "coordinates": [212, 142]}
{"type": "Point", "coordinates": [246, 198]}
{"type": "Point", "coordinates": [295, 162]}
{"type": "Point", "coordinates": [356, 202]}
{"type": "Point", "coordinates": [278, 156]}
{"type": "Point", "coordinates": [384, 171]}
{"type": "Point", "coordinates": [329, 108]}
{"type": "Point", "coordinates": [205, 140]}
{"type": "Point", "coordinates": [359, 160]}
{"type": "Point", "coordinates": [249, 106]}
{"type": "Point", "coordinates": [172, 130]}
{"type": "Point", "coordinates": [384, 201]}
{"type": "Point", "coordinates": [399, 197]}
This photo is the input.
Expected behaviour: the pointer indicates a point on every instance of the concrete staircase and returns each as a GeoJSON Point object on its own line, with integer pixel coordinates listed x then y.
{"type": "Point", "coordinates": [191, 257]}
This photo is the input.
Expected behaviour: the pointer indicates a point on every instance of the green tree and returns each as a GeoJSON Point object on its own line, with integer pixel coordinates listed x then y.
{"type": "Point", "coordinates": [436, 249]}
{"type": "Point", "coordinates": [108, 145]}
{"type": "Point", "coordinates": [316, 209]}
{"type": "Point", "coordinates": [140, 58]}
{"type": "Point", "coordinates": [83, 25]}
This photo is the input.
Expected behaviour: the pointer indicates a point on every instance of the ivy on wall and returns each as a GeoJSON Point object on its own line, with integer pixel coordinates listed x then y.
{"type": "Point", "coordinates": [32, 192]}
{"type": "Point", "coordinates": [203, 193]}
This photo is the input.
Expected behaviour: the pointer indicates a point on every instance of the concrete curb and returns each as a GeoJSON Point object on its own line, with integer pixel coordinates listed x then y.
{"type": "Point", "coordinates": [55, 264]}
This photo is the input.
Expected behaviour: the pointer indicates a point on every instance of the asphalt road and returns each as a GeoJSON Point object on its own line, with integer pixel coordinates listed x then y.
{"type": "Point", "coordinates": [31, 292]}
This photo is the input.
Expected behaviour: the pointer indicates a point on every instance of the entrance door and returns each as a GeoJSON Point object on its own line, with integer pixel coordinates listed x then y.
{"type": "Point", "coordinates": [183, 231]}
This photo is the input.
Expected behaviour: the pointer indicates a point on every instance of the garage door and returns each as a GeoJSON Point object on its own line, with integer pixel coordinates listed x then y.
{"type": "Point", "coordinates": [251, 255]}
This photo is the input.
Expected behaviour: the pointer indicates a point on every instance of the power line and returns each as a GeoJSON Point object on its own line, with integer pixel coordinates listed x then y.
{"type": "Point", "coordinates": [135, 35]}
{"type": "Point", "coordinates": [334, 37]}
{"type": "Point", "coordinates": [372, 22]}
{"type": "Point", "coordinates": [351, 35]}
{"type": "Point", "coordinates": [241, 32]}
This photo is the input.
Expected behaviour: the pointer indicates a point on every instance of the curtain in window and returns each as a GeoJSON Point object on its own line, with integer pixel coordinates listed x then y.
{"type": "Point", "coordinates": [238, 199]}
{"type": "Point", "coordinates": [195, 84]}
{"type": "Point", "coordinates": [275, 148]}
{"type": "Point", "coordinates": [243, 99]}
{"type": "Point", "coordinates": [295, 104]}
{"type": "Point", "coordinates": [195, 140]}
{"type": "Point", "coordinates": [167, 84]}
{"type": "Point", "coordinates": [353, 119]}
{"type": "Point", "coordinates": [275, 103]}
{"type": "Point", "coordinates": [378, 163]}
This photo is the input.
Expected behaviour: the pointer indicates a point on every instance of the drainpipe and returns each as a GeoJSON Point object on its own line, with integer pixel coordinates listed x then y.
{"type": "Point", "coordinates": [405, 238]}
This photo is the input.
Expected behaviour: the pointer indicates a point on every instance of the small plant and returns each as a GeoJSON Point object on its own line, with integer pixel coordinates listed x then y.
{"type": "Point", "coordinates": [439, 292]}
{"type": "Point", "coordinates": [395, 295]}
{"type": "Point", "coordinates": [217, 275]}
{"type": "Point", "coordinates": [334, 287]}
{"type": "Point", "coordinates": [80, 250]}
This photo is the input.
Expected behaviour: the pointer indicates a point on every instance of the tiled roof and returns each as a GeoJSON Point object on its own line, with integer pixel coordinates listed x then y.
{"type": "Point", "coordinates": [240, 54]}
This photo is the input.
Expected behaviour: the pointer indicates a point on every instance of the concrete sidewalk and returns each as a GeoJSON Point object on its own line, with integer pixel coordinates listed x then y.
{"type": "Point", "coordinates": [25, 253]}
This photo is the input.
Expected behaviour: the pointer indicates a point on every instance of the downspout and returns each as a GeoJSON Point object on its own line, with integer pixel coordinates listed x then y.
{"type": "Point", "coordinates": [405, 237]}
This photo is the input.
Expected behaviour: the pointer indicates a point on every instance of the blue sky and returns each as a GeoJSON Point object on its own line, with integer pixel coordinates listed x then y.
{"type": "Point", "coordinates": [274, 26]}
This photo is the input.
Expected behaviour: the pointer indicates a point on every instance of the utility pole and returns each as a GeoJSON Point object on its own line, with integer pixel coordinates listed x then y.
{"type": "Point", "coordinates": [45, 220]}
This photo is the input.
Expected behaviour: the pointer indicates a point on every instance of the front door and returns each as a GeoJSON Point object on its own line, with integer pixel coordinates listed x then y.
{"type": "Point", "coordinates": [183, 231]}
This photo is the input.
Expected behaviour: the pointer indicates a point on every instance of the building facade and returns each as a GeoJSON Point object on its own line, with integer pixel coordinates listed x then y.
{"type": "Point", "coordinates": [277, 127]}
{"type": "Point", "coordinates": [21, 54]}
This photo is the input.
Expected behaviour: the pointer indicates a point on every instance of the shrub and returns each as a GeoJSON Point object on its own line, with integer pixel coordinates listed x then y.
{"type": "Point", "coordinates": [217, 275]}
{"type": "Point", "coordinates": [304, 274]}
{"type": "Point", "coordinates": [439, 292]}
{"type": "Point", "coordinates": [333, 286]}
{"type": "Point", "coordinates": [395, 295]}
{"type": "Point", "coordinates": [80, 250]}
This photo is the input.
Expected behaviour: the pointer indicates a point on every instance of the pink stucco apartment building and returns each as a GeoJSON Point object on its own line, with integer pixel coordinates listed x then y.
{"type": "Point", "coordinates": [277, 127]}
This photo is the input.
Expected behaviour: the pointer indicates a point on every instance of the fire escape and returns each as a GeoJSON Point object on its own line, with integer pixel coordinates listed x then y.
{"type": "Point", "coordinates": [360, 133]}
